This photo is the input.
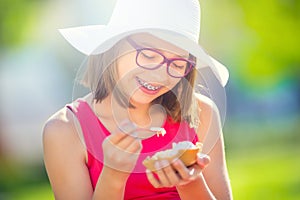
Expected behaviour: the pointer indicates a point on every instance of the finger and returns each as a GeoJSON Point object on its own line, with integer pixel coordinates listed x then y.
{"type": "Point", "coordinates": [203, 160]}
{"type": "Point", "coordinates": [150, 176]}
{"type": "Point", "coordinates": [187, 174]}
{"type": "Point", "coordinates": [124, 129]}
{"type": "Point", "coordinates": [117, 137]}
{"type": "Point", "coordinates": [160, 165]}
{"type": "Point", "coordinates": [134, 147]}
{"type": "Point", "coordinates": [170, 173]}
{"type": "Point", "coordinates": [181, 169]}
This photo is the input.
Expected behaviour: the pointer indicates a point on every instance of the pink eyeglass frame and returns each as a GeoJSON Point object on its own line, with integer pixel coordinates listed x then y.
{"type": "Point", "coordinates": [139, 49]}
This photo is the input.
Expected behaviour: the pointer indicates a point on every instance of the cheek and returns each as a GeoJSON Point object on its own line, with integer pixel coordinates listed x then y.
{"type": "Point", "coordinates": [169, 87]}
{"type": "Point", "coordinates": [174, 82]}
{"type": "Point", "coordinates": [125, 64]}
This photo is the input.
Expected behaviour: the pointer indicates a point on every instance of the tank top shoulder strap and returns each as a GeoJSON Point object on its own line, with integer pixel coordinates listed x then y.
{"type": "Point", "coordinates": [93, 131]}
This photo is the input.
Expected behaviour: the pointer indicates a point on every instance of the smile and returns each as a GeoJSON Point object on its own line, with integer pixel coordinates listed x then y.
{"type": "Point", "coordinates": [147, 85]}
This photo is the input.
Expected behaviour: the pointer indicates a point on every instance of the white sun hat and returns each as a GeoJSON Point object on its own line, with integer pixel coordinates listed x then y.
{"type": "Point", "coordinates": [175, 21]}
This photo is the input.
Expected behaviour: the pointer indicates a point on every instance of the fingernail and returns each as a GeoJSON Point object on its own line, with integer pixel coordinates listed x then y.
{"type": "Point", "coordinates": [204, 159]}
{"type": "Point", "coordinates": [202, 155]}
{"type": "Point", "coordinates": [191, 172]}
{"type": "Point", "coordinates": [176, 162]}
{"type": "Point", "coordinates": [164, 163]}
{"type": "Point", "coordinates": [156, 165]}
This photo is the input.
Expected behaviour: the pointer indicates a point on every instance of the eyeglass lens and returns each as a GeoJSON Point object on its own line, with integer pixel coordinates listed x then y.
{"type": "Point", "coordinates": [150, 59]}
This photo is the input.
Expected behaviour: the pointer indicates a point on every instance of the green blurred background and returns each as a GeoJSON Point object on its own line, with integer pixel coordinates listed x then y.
{"type": "Point", "coordinates": [257, 40]}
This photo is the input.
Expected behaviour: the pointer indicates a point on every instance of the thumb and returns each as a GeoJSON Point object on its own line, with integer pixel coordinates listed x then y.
{"type": "Point", "coordinates": [203, 160]}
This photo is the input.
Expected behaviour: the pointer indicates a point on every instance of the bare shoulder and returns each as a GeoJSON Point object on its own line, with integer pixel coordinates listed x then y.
{"type": "Point", "coordinates": [60, 124]}
{"type": "Point", "coordinates": [208, 116]}
{"type": "Point", "coordinates": [65, 157]}
{"type": "Point", "coordinates": [206, 104]}
{"type": "Point", "coordinates": [64, 124]}
{"type": "Point", "coordinates": [208, 109]}
{"type": "Point", "coordinates": [60, 132]}
{"type": "Point", "coordinates": [210, 131]}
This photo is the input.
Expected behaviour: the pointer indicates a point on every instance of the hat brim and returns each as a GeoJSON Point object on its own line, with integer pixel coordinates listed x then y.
{"type": "Point", "coordinates": [96, 39]}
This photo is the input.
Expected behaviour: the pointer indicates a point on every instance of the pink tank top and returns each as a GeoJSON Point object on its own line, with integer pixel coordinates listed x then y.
{"type": "Point", "coordinates": [137, 186]}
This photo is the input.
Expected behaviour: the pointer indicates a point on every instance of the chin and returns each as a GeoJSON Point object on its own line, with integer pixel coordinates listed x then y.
{"type": "Point", "coordinates": [140, 97]}
{"type": "Point", "coordinates": [141, 100]}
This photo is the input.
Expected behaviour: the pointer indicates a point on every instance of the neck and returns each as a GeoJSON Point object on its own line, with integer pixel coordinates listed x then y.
{"type": "Point", "coordinates": [109, 108]}
{"type": "Point", "coordinates": [144, 115]}
{"type": "Point", "coordinates": [139, 117]}
{"type": "Point", "coordinates": [140, 114]}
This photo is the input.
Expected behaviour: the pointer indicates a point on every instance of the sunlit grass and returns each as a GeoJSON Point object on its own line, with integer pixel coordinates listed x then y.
{"type": "Point", "coordinates": [23, 181]}
{"type": "Point", "coordinates": [38, 192]}
{"type": "Point", "coordinates": [270, 172]}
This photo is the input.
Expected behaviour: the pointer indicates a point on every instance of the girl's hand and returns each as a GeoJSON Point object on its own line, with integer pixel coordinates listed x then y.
{"type": "Point", "coordinates": [121, 151]}
{"type": "Point", "coordinates": [176, 173]}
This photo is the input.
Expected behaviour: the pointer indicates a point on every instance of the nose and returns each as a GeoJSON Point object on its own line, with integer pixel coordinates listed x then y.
{"type": "Point", "coordinates": [160, 74]}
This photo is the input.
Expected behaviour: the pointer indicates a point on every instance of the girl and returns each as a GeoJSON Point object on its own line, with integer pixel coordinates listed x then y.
{"type": "Point", "coordinates": [141, 74]}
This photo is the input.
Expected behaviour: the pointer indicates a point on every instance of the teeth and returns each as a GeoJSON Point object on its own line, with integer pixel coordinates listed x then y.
{"type": "Point", "coordinates": [148, 85]}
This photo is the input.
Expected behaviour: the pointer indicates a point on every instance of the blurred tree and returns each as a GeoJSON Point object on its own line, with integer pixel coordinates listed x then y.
{"type": "Point", "coordinates": [17, 17]}
{"type": "Point", "coordinates": [275, 56]}
{"type": "Point", "coordinates": [259, 39]}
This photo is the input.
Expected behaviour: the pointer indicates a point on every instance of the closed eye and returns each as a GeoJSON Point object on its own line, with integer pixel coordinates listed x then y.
{"type": "Point", "coordinates": [148, 56]}
{"type": "Point", "coordinates": [178, 66]}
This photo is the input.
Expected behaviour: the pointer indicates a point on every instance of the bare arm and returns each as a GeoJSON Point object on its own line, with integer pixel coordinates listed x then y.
{"type": "Point", "coordinates": [215, 178]}
{"type": "Point", "coordinates": [111, 185]}
{"type": "Point", "coordinates": [197, 189]}
{"type": "Point", "coordinates": [64, 157]}
{"type": "Point", "coordinates": [65, 161]}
